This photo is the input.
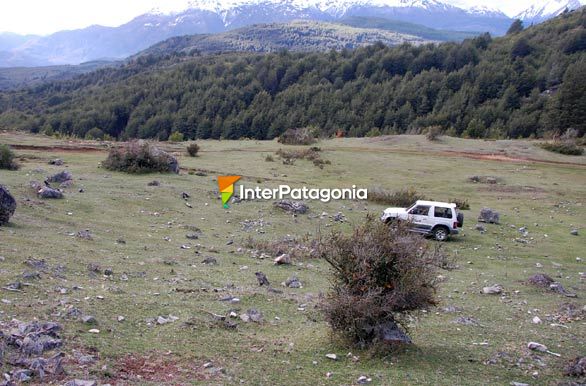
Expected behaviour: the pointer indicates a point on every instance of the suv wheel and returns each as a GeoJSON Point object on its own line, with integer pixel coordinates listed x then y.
{"type": "Point", "coordinates": [441, 233]}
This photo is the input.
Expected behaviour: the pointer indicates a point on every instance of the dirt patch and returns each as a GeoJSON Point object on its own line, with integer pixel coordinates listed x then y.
{"type": "Point", "coordinates": [160, 368]}
{"type": "Point", "coordinates": [60, 149]}
{"type": "Point", "coordinates": [512, 189]}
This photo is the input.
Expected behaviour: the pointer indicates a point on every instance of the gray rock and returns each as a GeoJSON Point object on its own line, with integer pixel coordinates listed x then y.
{"type": "Point", "coordinates": [89, 319]}
{"type": "Point", "coordinates": [540, 280]}
{"type": "Point", "coordinates": [7, 205]}
{"type": "Point", "coordinates": [81, 382]}
{"type": "Point", "coordinates": [297, 207]}
{"type": "Point", "coordinates": [390, 333]}
{"type": "Point", "coordinates": [56, 162]}
{"type": "Point", "coordinates": [576, 367]}
{"type": "Point", "coordinates": [493, 289]}
{"type": "Point", "coordinates": [210, 260]}
{"type": "Point", "coordinates": [293, 282]}
{"type": "Point", "coordinates": [480, 228]}
{"type": "Point", "coordinates": [252, 315]}
{"type": "Point", "coordinates": [283, 259]}
{"type": "Point", "coordinates": [262, 279]}
{"type": "Point", "coordinates": [489, 216]}
{"type": "Point", "coordinates": [154, 183]}
{"type": "Point", "coordinates": [574, 232]}
{"type": "Point", "coordinates": [84, 234]}
{"type": "Point", "coordinates": [47, 192]}
{"type": "Point", "coordinates": [60, 177]}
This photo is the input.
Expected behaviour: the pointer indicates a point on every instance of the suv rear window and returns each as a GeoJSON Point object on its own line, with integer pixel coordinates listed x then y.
{"type": "Point", "coordinates": [442, 212]}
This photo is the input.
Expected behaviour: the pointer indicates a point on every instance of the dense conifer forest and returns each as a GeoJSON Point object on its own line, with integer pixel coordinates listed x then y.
{"type": "Point", "coordinates": [531, 82]}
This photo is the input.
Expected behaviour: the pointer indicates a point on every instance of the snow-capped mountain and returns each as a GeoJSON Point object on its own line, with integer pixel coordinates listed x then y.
{"type": "Point", "coordinates": [213, 16]}
{"type": "Point", "coordinates": [546, 9]}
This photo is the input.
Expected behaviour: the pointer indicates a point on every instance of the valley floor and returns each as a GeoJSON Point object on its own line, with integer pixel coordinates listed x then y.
{"type": "Point", "coordinates": [139, 232]}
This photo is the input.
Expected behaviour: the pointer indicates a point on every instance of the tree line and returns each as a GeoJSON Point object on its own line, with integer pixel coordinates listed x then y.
{"type": "Point", "coordinates": [529, 83]}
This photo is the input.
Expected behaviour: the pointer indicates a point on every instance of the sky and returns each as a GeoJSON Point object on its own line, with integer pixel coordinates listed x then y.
{"type": "Point", "coordinates": [42, 17]}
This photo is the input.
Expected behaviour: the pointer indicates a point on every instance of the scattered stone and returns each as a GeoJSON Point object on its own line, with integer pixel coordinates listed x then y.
{"type": "Point", "coordinates": [363, 380]}
{"type": "Point", "coordinates": [339, 217]}
{"type": "Point", "coordinates": [60, 178]}
{"type": "Point", "coordinates": [16, 286]}
{"type": "Point", "coordinates": [210, 260]}
{"type": "Point", "coordinates": [120, 241]}
{"type": "Point", "coordinates": [94, 268]}
{"type": "Point", "coordinates": [47, 192]}
{"type": "Point", "coordinates": [192, 236]}
{"type": "Point", "coordinates": [297, 207]}
{"type": "Point", "coordinates": [108, 272]}
{"type": "Point", "coordinates": [121, 318]}
{"type": "Point", "coordinates": [480, 228]}
{"type": "Point", "coordinates": [94, 331]}
{"type": "Point", "coordinates": [518, 384]}
{"type": "Point", "coordinates": [493, 289]}
{"type": "Point", "coordinates": [7, 205]}
{"type": "Point", "coordinates": [557, 287]}
{"type": "Point", "coordinates": [154, 183]}
{"type": "Point", "coordinates": [84, 234]}
{"type": "Point", "coordinates": [81, 382]}
{"type": "Point", "coordinates": [185, 195]}
{"type": "Point", "coordinates": [252, 315]}
{"type": "Point", "coordinates": [537, 346]}
{"type": "Point", "coordinates": [89, 319]}
{"type": "Point", "coordinates": [166, 320]}
{"type": "Point", "coordinates": [31, 275]}
{"type": "Point", "coordinates": [574, 232]}
{"type": "Point", "coordinates": [489, 216]}
{"type": "Point", "coordinates": [576, 367]}
{"type": "Point", "coordinates": [293, 282]}
{"type": "Point", "coordinates": [262, 279]}
{"type": "Point", "coordinates": [466, 321]}
{"type": "Point", "coordinates": [56, 162]}
{"type": "Point", "coordinates": [540, 280]}
{"type": "Point", "coordinates": [284, 259]}
{"type": "Point", "coordinates": [536, 320]}
{"type": "Point", "coordinates": [390, 334]}
{"type": "Point", "coordinates": [333, 357]}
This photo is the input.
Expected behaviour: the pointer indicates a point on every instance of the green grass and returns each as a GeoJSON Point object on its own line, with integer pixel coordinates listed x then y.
{"type": "Point", "coordinates": [116, 205]}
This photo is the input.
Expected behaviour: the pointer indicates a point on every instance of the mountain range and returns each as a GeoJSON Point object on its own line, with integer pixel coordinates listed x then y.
{"type": "Point", "coordinates": [213, 16]}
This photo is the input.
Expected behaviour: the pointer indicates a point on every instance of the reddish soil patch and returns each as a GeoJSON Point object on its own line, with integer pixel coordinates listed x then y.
{"type": "Point", "coordinates": [159, 368]}
{"type": "Point", "coordinates": [65, 149]}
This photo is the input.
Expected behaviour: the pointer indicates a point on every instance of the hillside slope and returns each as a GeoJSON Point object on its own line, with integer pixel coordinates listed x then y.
{"type": "Point", "coordinates": [301, 36]}
{"type": "Point", "coordinates": [528, 83]}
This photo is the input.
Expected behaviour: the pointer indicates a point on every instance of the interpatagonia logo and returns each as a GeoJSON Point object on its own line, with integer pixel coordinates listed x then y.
{"type": "Point", "coordinates": [226, 185]}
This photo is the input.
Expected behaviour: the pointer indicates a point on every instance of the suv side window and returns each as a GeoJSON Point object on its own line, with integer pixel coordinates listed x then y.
{"type": "Point", "coordinates": [420, 210]}
{"type": "Point", "coordinates": [442, 212]}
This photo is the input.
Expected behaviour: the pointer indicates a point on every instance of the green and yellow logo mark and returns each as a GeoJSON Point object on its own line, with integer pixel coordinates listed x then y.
{"type": "Point", "coordinates": [226, 185]}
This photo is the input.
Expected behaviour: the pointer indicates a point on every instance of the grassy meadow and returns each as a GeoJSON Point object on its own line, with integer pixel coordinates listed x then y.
{"type": "Point", "coordinates": [139, 232]}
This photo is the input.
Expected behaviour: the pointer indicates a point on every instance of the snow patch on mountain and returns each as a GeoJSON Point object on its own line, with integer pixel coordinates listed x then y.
{"type": "Point", "coordinates": [545, 9]}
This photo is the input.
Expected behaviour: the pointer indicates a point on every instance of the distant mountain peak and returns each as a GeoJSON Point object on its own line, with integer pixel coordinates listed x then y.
{"type": "Point", "coordinates": [546, 9]}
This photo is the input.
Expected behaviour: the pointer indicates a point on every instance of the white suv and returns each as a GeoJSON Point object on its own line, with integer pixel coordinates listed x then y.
{"type": "Point", "coordinates": [438, 219]}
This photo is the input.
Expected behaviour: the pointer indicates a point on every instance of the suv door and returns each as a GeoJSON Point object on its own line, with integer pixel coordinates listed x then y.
{"type": "Point", "coordinates": [419, 217]}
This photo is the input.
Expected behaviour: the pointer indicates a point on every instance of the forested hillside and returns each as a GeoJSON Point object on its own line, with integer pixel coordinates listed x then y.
{"type": "Point", "coordinates": [527, 83]}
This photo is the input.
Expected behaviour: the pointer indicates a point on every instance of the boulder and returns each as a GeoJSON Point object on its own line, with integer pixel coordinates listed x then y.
{"type": "Point", "coordinates": [283, 259]}
{"type": "Point", "coordinates": [56, 162]}
{"type": "Point", "coordinates": [390, 334]}
{"type": "Point", "coordinates": [297, 207]}
{"type": "Point", "coordinates": [493, 289]}
{"type": "Point", "coordinates": [61, 177]}
{"type": "Point", "coordinates": [7, 205]}
{"type": "Point", "coordinates": [47, 192]}
{"type": "Point", "coordinates": [489, 215]}
{"type": "Point", "coordinates": [576, 367]}
{"type": "Point", "coordinates": [540, 280]}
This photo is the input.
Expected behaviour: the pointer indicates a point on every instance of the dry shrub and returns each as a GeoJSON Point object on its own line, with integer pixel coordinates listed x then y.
{"type": "Point", "coordinates": [269, 158]}
{"type": "Point", "coordinates": [140, 157]}
{"type": "Point", "coordinates": [400, 198]}
{"type": "Point", "coordinates": [7, 158]}
{"type": "Point", "coordinates": [311, 154]}
{"type": "Point", "coordinates": [567, 144]}
{"type": "Point", "coordinates": [192, 149]}
{"type": "Point", "coordinates": [434, 133]}
{"type": "Point", "coordinates": [381, 275]}
{"type": "Point", "coordinates": [461, 203]}
{"type": "Point", "coordinates": [301, 136]}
